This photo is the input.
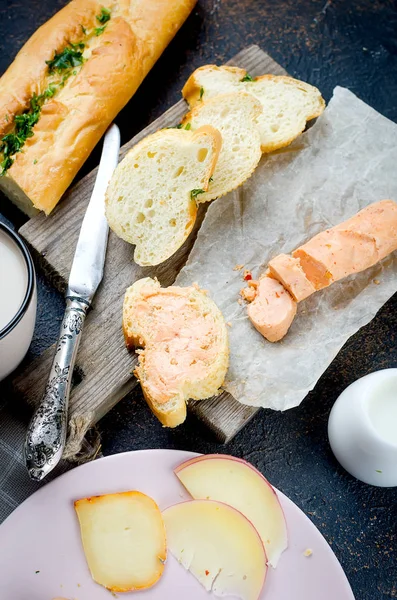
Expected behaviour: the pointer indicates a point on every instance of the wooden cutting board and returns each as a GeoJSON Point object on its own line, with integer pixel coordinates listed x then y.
{"type": "Point", "coordinates": [103, 364]}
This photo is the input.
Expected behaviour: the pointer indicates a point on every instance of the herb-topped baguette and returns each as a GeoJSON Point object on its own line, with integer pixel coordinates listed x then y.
{"type": "Point", "coordinates": [68, 83]}
{"type": "Point", "coordinates": [287, 103]}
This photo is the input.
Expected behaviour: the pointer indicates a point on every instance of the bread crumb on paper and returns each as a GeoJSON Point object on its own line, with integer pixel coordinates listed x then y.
{"type": "Point", "coordinates": [248, 294]}
{"type": "Point", "coordinates": [229, 323]}
{"type": "Point", "coordinates": [376, 281]}
{"type": "Point", "coordinates": [308, 552]}
{"type": "Point", "coordinates": [238, 267]}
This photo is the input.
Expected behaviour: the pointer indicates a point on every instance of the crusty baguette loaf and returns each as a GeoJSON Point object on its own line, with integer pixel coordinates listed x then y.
{"type": "Point", "coordinates": [151, 198]}
{"type": "Point", "coordinates": [287, 103]}
{"type": "Point", "coordinates": [185, 343]}
{"type": "Point", "coordinates": [235, 116]}
{"type": "Point", "coordinates": [348, 248]}
{"type": "Point", "coordinates": [80, 101]}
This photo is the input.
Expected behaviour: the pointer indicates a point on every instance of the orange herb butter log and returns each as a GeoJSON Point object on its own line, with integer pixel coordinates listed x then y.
{"type": "Point", "coordinates": [350, 247]}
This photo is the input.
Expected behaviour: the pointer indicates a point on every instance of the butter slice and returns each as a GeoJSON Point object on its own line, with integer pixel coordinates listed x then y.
{"type": "Point", "coordinates": [288, 271]}
{"type": "Point", "coordinates": [273, 309]}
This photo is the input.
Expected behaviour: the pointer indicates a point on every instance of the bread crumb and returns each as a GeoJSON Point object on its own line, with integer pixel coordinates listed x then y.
{"type": "Point", "coordinates": [308, 552]}
{"type": "Point", "coordinates": [238, 267]}
{"type": "Point", "coordinates": [248, 294]}
{"type": "Point", "coordinates": [196, 286]}
{"type": "Point", "coordinates": [229, 323]}
{"type": "Point", "coordinates": [376, 281]}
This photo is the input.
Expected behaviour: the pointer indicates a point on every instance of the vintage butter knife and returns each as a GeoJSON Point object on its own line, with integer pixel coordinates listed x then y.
{"type": "Point", "coordinates": [46, 435]}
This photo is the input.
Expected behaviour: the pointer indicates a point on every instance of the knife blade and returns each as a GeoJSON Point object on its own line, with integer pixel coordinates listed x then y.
{"type": "Point", "coordinates": [47, 430]}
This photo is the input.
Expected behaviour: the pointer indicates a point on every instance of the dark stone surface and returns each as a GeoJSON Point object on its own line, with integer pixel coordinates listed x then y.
{"type": "Point", "coordinates": [350, 43]}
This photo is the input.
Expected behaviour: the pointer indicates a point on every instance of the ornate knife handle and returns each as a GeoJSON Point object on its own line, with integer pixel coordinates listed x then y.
{"type": "Point", "coordinates": [46, 435]}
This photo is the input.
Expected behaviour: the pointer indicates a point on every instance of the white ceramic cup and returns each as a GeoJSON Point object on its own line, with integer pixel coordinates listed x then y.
{"type": "Point", "coordinates": [19, 303]}
{"type": "Point", "coordinates": [362, 428]}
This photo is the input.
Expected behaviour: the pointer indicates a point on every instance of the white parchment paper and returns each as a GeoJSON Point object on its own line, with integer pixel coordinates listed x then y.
{"type": "Point", "coordinates": [347, 160]}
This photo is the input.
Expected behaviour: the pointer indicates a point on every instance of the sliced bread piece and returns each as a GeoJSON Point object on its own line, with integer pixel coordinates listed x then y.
{"type": "Point", "coordinates": [150, 201]}
{"type": "Point", "coordinates": [185, 345]}
{"type": "Point", "coordinates": [235, 116]}
{"type": "Point", "coordinates": [287, 103]}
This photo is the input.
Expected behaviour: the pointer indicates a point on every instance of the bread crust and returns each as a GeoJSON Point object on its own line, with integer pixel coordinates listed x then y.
{"type": "Point", "coordinates": [73, 121]}
{"type": "Point", "coordinates": [191, 89]}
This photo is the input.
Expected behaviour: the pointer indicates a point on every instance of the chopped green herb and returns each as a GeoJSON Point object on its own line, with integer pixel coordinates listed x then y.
{"type": "Point", "coordinates": [50, 91]}
{"type": "Point", "coordinates": [83, 29]}
{"type": "Point", "coordinates": [201, 93]}
{"type": "Point", "coordinates": [11, 143]}
{"type": "Point", "coordinates": [195, 193]}
{"type": "Point", "coordinates": [211, 179]}
{"type": "Point", "coordinates": [25, 123]}
{"type": "Point", "coordinates": [179, 126]}
{"type": "Point", "coordinates": [37, 572]}
{"type": "Point", "coordinates": [7, 119]}
{"type": "Point", "coordinates": [188, 126]}
{"type": "Point", "coordinates": [35, 161]}
{"type": "Point", "coordinates": [104, 17]}
{"type": "Point", "coordinates": [5, 165]}
{"type": "Point", "coordinates": [378, 471]}
{"type": "Point", "coordinates": [99, 30]}
{"type": "Point", "coordinates": [247, 77]}
{"type": "Point", "coordinates": [70, 57]}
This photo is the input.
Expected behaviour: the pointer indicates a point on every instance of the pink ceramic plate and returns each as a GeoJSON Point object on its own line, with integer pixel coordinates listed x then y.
{"type": "Point", "coordinates": [41, 556]}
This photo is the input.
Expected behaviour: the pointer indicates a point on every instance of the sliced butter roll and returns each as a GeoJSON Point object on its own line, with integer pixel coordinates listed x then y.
{"type": "Point", "coordinates": [219, 546]}
{"type": "Point", "coordinates": [351, 246]}
{"type": "Point", "coordinates": [348, 248]}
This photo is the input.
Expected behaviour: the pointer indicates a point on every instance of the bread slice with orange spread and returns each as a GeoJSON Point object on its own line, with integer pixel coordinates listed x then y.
{"type": "Point", "coordinates": [287, 103]}
{"type": "Point", "coordinates": [184, 345]}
